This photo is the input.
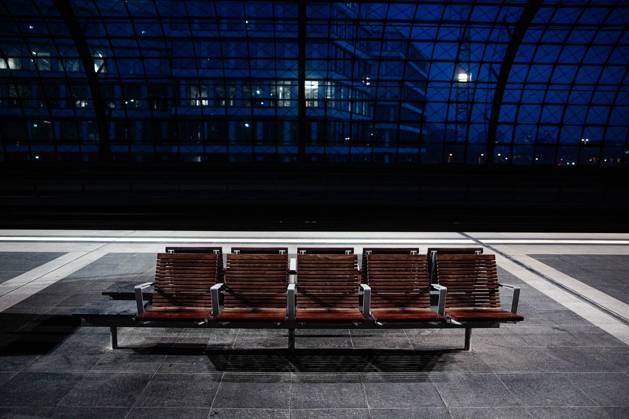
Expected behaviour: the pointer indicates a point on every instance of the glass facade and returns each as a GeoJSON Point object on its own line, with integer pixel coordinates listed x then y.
{"type": "Point", "coordinates": [374, 83]}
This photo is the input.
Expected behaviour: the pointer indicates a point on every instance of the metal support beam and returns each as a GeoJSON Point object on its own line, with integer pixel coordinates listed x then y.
{"type": "Point", "coordinates": [529, 12]}
{"type": "Point", "coordinates": [291, 339]}
{"type": "Point", "coordinates": [114, 337]}
{"type": "Point", "coordinates": [78, 37]}
{"type": "Point", "coordinates": [468, 338]}
{"type": "Point", "coordinates": [301, 80]}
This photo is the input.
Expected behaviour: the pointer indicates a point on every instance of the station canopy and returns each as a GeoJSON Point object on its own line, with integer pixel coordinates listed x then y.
{"type": "Point", "coordinates": [533, 83]}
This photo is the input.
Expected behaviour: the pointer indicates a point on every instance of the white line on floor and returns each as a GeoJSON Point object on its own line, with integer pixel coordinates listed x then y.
{"type": "Point", "coordinates": [29, 283]}
{"type": "Point", "coordinates": [584, 309]}
{"type": "Point", "coordinates": [340, 240]}
{"type": "Point", "coordinates": [305, 241]}
{"type": "Point", "coordinates": [597, 297]}
{"type": "Point", "coordinates": [552, 241]}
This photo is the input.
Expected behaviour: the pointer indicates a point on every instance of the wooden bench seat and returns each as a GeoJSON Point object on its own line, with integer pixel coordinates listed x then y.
{"type": "Point", "coordinates": [182, 287]}
{"type": "Point", "coordinates": [269, 314]}
{"type": "Point", "coordinates": [328, 287]}
{"type": "Point", "coordinates": [329, 314]}
{"type": "Point", "coordinates": [400, 288]}
{"type": "Point", "coordinates": [483, 314]}
{"type": "Point", "coordinates": [405, 314]}
{"type": "Point", "coordinates": [255, 287]}
{"type": "Point", "coordinates": [473, 288]}
{"type": "Point", "coordinates": [181, 313]}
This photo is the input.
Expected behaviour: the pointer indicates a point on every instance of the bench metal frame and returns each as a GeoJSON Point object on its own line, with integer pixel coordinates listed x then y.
{"type": "Point", "coordinates": [115, 321]}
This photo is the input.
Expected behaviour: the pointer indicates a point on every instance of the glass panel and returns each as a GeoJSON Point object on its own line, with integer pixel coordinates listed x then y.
{"type": "Point", "coordinates": [388, 83]}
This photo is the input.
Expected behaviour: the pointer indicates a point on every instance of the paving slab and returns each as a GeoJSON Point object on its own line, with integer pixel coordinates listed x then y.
{"type": "Point", "coordinates": [13, 264]}
{"type": "Point", "coordinates": [89, 412]}
{"type": "Point", "coordinates": [604, 389]}
{"type": "Point", "coordinates": [180, 390]}
{"type": "Point", "coordinates": [37, 389]}
{"type": "Point", "coordinates": [168, 412]}
{"type": "Point", "coordinates": [474, 390]}
{"type": "Point", "coordinates": [321, 391]}
{"type": "Point", "coordinates": [545, 389]}
{"type": "Point", "coordinates": [342, 413]}
{"type": "Point", "coordinates": [489, 413]}
{"type": "Point", "coordinates": [254, 391]}
{"type": "Point", "coordinates": [607, 273]}
{"type": "Point", "coordinates": [246, 413]}
{"type": "Point", "coordinates": [106, 390]}
{"type": "Point", "coordinates": [389, 391]}
{"type": "Point", "coordinates": [416, 413]}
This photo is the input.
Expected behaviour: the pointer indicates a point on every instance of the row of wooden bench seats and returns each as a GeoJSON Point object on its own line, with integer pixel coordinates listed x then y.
{"type": "Point", "coordinates": [263, 284]}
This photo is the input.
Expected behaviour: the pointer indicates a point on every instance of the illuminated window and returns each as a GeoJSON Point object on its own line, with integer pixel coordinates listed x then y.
{"type": "Point", "coordinates": [99, 63]}
{"type": "Point", "coordinates": [198, 96]}
{"type": "Point", "coordinates": [70, 65]}
{"type": "Point", "coordinates": [225, 95]}
{"type": "Point", "coordinates": [11, 63]}
{"type": "Point", "coordinates": [41, 60]}
{"type": "Point", "coordinates": [312, 91]}
{"type": "Point", "coordinates": [329, 94]}
{"type": "Point", "coordinates": [282, 92]}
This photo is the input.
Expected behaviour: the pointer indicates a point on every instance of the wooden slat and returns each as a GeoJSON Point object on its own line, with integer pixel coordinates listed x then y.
{"type": "Point", "coordinates": [325, 250]}
{"type": "Point", "coordinates": [384, 251]}
{"type": "Point", "coordinates": [327, 281]}
{"type": "Point", "coordinates": [256, 280]}
{"type": "Point", "coordinates": [330, 314]}
{"type": "Point", "coordinates": [260, 250]}
{"type": "Point", "coordinates": [218, 251]}
{"type": "Point", "coordinates": [183, 282]}
{"type": "Point", "coordinates": [398, 281]}
{"type": "Point", "coordinates": [266, 314]}
{"type": "Point", "coordinates": [401, 314]}
{"type": "Point", "coordinates": [448, 251]}
{"type": "Point", "coordinates": [390, 251]}
{"type": "Point", "coordinates": [472, 280]}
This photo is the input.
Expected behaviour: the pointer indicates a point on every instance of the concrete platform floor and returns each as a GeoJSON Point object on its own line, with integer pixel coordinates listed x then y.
{"type": "Point", "coordinates": [569, 358]}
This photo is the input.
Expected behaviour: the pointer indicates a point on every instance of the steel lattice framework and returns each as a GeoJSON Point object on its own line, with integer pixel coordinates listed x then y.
{"type": "Point", "coordinates": [375, 83]}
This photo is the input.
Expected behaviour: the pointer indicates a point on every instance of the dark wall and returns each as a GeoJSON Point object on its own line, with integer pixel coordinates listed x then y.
{"type": "Point", "coordinates": [313, 197]}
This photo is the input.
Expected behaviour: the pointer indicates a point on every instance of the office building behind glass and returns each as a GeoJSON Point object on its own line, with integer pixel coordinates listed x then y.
{"type": "Point", "coordinates": [332, 82]}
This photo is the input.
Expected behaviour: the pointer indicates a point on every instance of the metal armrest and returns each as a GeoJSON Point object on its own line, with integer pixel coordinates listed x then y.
{"type": "Point", "coordinates": [516, 296]}
{"type": "Point", "coordinates": [441, 303]}
{"type": "Point", "coordinates": [291, 291]}
{"type": "Point", "coordinates": [216, 302]}
{"type": "Point", "coordinates": [366, 291]}
{"type": "Point", "coordinates": [139, 298]}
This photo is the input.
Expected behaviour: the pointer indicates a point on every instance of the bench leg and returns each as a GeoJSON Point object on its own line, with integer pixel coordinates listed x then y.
{"type": "Point", "coordinates": [114, 337]}
{"type": "Point", "coordinates": [468, 338]}
{"type": "Point", "coordinates": [291, 339]}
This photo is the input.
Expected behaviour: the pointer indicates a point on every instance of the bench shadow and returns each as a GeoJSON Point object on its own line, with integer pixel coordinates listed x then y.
{"type": "Point", "coordinates": [307, 360]}
{"type": "Point", "coordinates": [26, 334]}
{"type": "Point", "coordinates": [40, 334]}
